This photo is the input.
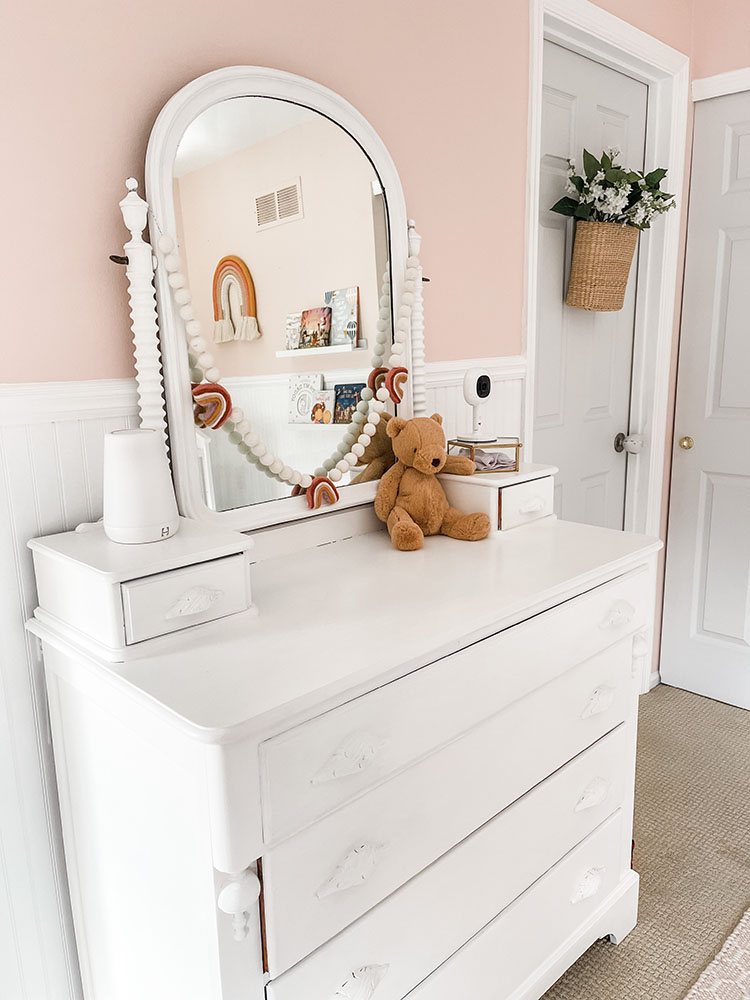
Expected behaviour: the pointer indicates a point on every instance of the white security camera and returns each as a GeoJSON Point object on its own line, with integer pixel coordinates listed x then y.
{"type": "Point", "coordinates": [477, 390]}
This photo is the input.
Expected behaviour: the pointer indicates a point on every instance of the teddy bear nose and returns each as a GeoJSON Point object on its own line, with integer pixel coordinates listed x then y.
{"type": "Point", "coordinates": [436, 462]}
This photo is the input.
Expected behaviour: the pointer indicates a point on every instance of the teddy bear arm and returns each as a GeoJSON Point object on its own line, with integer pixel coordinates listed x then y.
{"type": "Point", "coordinates": [374, 470]}
{"type": "Point", "coordinates": [459, 465]}
{"type": "Point", "coordinates": [385, 498]}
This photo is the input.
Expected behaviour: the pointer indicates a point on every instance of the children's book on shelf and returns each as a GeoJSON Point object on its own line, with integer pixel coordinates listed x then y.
{"type": "Point", "coordinates": [322, 407]}
{"type": "Point", "coordinates": [303, 391]}
{"type": "Point", "coordinates": [348, 395]}
{"type": "Point", "coordinates": [315, 327]}
{"type": "Point", "coordinates": [293, 324]}
{"type": "Point", "coordinates": [344, 305]}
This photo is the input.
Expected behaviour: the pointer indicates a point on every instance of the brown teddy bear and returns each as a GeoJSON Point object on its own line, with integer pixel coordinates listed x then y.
{"type": "Point", "coordinates": [410, 499]}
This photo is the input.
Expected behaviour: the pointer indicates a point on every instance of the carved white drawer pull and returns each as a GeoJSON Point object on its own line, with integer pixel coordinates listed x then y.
{"type": "Point", "coordinates": [353, 870]}
{"type": "Point", "coordinates": [194, 602]}
{"type": "Point", "coordinates": [362, 983]}
{"type": "Point", "coordinates": [620, 613]}
{"type": "Point", "coordinates": [589, 885]}
{"type": "Point", "coordinates": [237, 898]}
{"type": "Point", "coordinates": [355, 754]}
{"type": "Point", "coordinates": [532, 506]}
{"type": "Point", "coordinates": [593, 795]}
{"type": "Point", "coordinates": [600, 700]}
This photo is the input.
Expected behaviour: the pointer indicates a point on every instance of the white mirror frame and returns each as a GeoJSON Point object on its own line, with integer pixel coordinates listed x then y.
{"type": "Point", "coordinates": [170, 126]}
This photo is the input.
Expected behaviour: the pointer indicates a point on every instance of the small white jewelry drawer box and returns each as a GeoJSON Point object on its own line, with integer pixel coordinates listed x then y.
{"type": "Point", "coordinates": [509, 499]}
{"type": "Point", "coordinates": [113, 596]}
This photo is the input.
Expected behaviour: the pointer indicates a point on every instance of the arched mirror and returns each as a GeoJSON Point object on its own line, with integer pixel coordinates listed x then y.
{"type": "Point", "coordinates": [281, 236]}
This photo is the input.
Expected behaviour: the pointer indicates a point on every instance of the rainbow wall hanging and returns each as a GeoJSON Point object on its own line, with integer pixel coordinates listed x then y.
{"type": "Point", "coordinates": [233, 287]}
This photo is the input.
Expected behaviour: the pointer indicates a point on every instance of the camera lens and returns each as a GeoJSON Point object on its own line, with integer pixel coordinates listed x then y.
{"type": "Point", "coordinates": [484, 386]}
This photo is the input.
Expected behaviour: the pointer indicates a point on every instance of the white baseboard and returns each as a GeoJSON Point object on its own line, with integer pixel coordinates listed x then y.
{"type": "Point", "coordinates": [654, 680]}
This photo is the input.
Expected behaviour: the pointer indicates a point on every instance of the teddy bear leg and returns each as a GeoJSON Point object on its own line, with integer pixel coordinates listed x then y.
{"type": "Point", "coordinates": [405, 533]}
{"type": "Point", "coordinates": [467, 527]}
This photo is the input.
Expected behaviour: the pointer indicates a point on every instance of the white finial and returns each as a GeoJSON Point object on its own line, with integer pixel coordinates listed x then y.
{"type": "Point", "coordinates": [134, 209]}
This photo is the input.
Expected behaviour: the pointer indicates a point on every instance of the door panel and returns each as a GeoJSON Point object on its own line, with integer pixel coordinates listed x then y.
{"type": "Point", "coordinates": [706, 639]}
{"type": "Point", "coordinates": [583, 360]}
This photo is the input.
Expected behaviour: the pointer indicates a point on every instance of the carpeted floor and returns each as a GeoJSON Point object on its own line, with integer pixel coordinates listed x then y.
{"type": "Point", "coordinates": [692, 850]}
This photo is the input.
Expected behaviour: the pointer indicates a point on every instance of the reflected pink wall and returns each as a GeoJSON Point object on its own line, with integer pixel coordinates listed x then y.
{"type": "Point", "coordinates": [445, 85]}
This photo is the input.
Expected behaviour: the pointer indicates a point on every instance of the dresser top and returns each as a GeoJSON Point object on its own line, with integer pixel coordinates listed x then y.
{"type": "Point", "coordinates": [340, 619]}
{"type": "Point", "coordinates": [196, 541]}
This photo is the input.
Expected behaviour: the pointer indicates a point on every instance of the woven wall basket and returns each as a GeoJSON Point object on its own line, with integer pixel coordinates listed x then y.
{"type": "Point", "coordinates": [602, 255]}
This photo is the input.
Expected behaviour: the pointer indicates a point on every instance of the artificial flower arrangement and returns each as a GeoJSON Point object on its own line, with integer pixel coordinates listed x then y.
{"type": "Point", "coordinates": [610, 205]}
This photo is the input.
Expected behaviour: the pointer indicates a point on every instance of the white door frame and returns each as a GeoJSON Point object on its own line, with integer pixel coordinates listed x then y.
{"type": "Point", "coordinates": [590, 31]}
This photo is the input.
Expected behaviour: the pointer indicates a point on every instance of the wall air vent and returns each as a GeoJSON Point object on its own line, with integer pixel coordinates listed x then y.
{"type": "Point", "coordinates": [282, 205]}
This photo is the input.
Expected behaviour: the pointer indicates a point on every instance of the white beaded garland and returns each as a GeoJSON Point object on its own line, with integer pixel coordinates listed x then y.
{"type": "Point", "coordinates": [367, 415]}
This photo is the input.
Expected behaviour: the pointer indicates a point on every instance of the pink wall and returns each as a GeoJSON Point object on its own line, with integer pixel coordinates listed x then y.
{"type": "Point", "coordinates": [445, 87]}
{"type": "Point", "coordinates": [721, 36]}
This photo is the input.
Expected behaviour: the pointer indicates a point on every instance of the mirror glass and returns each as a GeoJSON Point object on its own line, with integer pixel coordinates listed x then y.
{"type": "Point", "coordinates": [283, 230]}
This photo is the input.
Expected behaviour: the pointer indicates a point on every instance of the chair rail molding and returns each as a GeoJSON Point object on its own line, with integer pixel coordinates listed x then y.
{"type": "Point", "coordinates": [590, 31]}
{"type": "Point", "coordinates": [733, 82]}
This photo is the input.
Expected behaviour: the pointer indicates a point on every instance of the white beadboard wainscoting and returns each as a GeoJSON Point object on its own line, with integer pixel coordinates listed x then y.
{"type": "Point", "coordinates": [50, 480]}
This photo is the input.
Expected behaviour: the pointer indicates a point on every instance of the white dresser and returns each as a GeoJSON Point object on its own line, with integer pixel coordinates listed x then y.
{"type": "Point", "coordinates": [410, 774]}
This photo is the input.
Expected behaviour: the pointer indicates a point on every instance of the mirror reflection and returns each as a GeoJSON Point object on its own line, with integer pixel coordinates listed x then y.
{"type": "Point", "coordinates": [282, 224]}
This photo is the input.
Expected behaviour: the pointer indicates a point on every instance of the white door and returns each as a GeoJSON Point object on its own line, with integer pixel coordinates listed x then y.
{"type": "Point", "coordinates": [706, 638]}
{"type": "Point", "coordinates": [583, 360]}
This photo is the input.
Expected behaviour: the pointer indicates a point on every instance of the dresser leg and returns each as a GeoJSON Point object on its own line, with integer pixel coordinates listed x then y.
{"type": "Point", "coordinates": [624, 916]}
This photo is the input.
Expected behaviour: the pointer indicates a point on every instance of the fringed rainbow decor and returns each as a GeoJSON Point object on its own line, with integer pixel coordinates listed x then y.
{"type": "Point", "coordinates": [395, 381]}
{"type": "Point", "coordinates": [232, 275]}
{"type": "Point", "coordinates": [321, 490]}
{"type": "Point", "coordinates": [212, 404]}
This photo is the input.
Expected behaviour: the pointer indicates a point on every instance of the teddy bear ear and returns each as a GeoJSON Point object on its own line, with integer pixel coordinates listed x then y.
{"type": "Point", "coordinates": [394, 426]}
{"type": "Point", "coordinates": [437, 418]}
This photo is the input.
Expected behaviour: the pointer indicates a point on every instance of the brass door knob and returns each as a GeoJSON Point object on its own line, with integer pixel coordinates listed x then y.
{"type": "Point", "coordinates": [686, 443]}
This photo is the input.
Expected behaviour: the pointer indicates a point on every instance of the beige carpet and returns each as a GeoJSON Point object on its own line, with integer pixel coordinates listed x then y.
{"type": "Point", "coordinates": [692, 850]}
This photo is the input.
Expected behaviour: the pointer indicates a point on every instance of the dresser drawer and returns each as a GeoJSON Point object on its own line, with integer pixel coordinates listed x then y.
{"type": "Point", "coordinates": [179, 598]}
{"type": "Point", "coordinates": [316, 767]}
{"type": "Point", "coordinates": [510, 950]}
{"type": "Point", "coordinates": [526, 502]}
{"type": "Point", "coordinates": [408, 935]}
{"type": "Point", "coordinates": [321, 880]}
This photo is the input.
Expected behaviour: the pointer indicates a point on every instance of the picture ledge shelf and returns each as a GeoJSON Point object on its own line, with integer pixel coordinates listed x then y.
{"type": "Point", "coordinates": [301, 352]}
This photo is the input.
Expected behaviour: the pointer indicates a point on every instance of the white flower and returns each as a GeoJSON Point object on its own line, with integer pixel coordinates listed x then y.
{"type": "Point", "coordinates": [613, 152]}
{"type": "Point", "coordinates": [570, 187]}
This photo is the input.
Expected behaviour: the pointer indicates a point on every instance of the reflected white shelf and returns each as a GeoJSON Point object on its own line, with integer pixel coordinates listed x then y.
{"type": "Point", "coordinates": [303, 352]}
